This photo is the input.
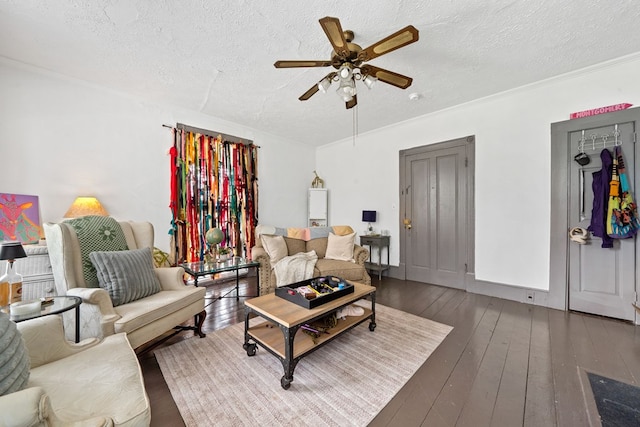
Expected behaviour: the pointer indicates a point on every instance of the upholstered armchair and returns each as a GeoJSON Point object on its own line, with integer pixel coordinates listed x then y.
{"type": "Point", "coordinates": [109, 310]}
{"type": "Point", "coordinates": [95, 383]}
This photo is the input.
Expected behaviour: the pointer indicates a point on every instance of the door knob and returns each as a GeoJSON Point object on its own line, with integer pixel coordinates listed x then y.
{"type": "Point", "coordinates": [407, 223]}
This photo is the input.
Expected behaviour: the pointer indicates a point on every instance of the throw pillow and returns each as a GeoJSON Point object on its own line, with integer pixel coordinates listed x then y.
{"type": "Point", "coordinates": [14, 359]}
{"type": "Point", "coordinates": [340, 247]}
{"type": "Point", "coordinates": [96, 233]}
{"type": "Point", "coordinates": [126, 275]}
{"type": "Point", "coordinates": [298, 233]}
{"type": "Point", "coordinates": [160, 258]}
{"type": "Point", "coordinates": [275, 246]}
{"type": "Point", "coordinates": [342, 230]}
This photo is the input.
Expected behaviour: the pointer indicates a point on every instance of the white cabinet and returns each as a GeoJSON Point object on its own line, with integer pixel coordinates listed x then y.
{"type": "Point", "coordinates": [318, 207]}
{"type": "Point", "coordinates": [35, 269]}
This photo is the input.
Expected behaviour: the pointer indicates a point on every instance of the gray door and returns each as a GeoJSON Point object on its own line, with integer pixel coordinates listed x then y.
{"type": "Point", "coordinates": [601, 280]}
{"type": "Point", "coordinates": [435, 214]}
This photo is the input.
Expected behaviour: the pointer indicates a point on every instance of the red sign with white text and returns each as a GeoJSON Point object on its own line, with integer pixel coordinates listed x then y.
{"type": "Point", "coordinates": [601, 110]}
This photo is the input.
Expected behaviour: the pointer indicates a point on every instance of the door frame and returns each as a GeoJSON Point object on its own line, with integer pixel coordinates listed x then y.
{"type": "Point", "coordinates": [470, 153]}
{"type": "Point", "coordinates": [559, 243]}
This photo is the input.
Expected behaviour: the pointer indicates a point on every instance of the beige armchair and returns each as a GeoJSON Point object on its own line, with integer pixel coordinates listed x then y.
{"type": "Point", "coordinates": [144, 319]}
{"type": "Point", "coordinates": [93, 383]}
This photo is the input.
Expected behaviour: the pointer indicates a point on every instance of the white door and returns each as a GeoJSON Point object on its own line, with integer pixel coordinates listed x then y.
{"type": "Point", "coordinates": [601, 280]}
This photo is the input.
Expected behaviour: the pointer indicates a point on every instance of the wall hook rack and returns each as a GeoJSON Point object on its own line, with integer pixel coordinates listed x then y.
{"type": "Point", "coordinates": [599, 141]}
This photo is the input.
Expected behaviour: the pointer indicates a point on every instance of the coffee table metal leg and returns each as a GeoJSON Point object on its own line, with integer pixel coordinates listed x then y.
{"type": "Point", "coordinates": [250, 348]}
{"type": "Point", "coordinates": [288, 363]}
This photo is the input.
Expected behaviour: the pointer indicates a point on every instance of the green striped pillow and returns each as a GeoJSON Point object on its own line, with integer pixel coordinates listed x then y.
{"type": "Point", "coordinates": [126, 275]}
{"type": "Point", "coordinates": [14, 358]}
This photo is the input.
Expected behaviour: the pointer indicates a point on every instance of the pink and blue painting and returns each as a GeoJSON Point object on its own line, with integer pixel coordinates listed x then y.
{"type": "Point", "coordinates": [19, 218]}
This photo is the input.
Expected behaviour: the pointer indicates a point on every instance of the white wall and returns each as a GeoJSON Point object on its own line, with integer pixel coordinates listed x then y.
{"type": "Point", "coordinates": [512, 166]}
{"type": "Point", "coordinates": [61, 138]}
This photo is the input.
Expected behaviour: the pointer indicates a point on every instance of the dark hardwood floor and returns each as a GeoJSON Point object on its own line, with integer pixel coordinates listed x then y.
{"type": "Point", "coordinates": [504, 364]}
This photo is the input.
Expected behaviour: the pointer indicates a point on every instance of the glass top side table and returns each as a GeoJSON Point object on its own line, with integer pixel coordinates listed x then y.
{"type": "Point", "coordinates": [203, 268]}
{"type": "Point", "coordinates": [57, 305]}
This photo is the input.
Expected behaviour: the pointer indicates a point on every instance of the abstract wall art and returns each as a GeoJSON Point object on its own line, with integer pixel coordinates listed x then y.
{"type": "Point", "coordinates": [20, 218]}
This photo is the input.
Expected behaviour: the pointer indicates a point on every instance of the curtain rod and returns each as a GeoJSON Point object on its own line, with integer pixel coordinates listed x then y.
{"type": "Point", "coordinates": [211, 133]}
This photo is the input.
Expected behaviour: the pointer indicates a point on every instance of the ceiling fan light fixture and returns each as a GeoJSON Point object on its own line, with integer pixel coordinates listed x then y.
{"type": "Point", "coordinates": [345, 72]}
{"type": "Point", "coordinates": [324, 84]}
{"type": "Point", "coordinates": [346, 90]}
{"type": "Point", "coordinates": [369, 81]}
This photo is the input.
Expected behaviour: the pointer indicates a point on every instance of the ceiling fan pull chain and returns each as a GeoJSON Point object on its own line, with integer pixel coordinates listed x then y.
{"type": "Point", "coordinates": [355, 124]}
{"type": "Point", "coordinates": [353, 127]}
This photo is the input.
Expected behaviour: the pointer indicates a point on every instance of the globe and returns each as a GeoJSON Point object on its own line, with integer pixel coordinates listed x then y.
{"type": "Point", "coordinates": [214, 236]}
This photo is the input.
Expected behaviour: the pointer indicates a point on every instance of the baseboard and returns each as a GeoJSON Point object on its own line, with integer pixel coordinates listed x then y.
{"type": "Point", "coordinates": [394, 272]}
{"type": "Point", "coordinates": [512, 293]}
{"type": "Point", "coordinates": [498, 290]}
{"type": "Point", "coordinates": [481, 287]}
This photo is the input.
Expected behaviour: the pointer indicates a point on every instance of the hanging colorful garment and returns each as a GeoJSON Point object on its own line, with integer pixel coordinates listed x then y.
{"type": "Point", "coordinates": [214, 184]}
{"type": "Point", "coordinates": [622, 215]}
{"type": "Point", "coordinates": [600, 185]}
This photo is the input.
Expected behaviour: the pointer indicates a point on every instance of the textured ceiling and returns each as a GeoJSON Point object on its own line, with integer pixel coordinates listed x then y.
{"type": "Point", "coordinates": [217, 57]}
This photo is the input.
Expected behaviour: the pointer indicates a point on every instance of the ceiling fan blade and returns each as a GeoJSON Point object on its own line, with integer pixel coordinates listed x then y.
{"type": "Point", "coordinates": [353, 102]}
{"type": "Point", "coordinates": [333, 30]}
{"type": "Point", "coordinates": [387, 76]}
{"type": "Point", "coordinates": [405, 36]}
{"type": "Point", "coordinates": [299, 63]}
{"type": "Point", "coordinates": [308, 94]}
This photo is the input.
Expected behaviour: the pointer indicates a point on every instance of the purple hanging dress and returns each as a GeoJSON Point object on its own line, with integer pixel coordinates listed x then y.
{"type": "Point", "coordinates": [600, 187]}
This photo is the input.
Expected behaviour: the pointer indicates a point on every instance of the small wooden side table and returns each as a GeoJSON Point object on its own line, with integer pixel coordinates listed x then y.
{"type": "Point", "coordinates": [380, 242]}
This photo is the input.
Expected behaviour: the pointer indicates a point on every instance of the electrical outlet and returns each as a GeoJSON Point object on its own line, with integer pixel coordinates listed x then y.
{"type": "Point", "coordinates": [531, 297]}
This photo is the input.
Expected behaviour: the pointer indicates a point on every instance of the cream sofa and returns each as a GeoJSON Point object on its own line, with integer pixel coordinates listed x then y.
{"type": "Point", "coordinates": [348, 270]}
{"type": "Point", "coordinates": [143, 320]}
{"type": "Point", "coordinates": [93, 383]}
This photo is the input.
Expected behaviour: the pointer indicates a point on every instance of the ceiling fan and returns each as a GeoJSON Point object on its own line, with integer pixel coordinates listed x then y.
{"type": "Point", "coordinates": [348, 58]}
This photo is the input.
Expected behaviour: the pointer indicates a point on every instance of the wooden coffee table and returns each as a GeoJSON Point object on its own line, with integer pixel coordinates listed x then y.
{"type": "Point", "coordinates": [284, 341]}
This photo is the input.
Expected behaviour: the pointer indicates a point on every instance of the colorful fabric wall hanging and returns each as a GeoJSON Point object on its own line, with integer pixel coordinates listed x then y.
{"type": "Point", "coordinates": [214, 183]}
{"type": "Point", "coordinates": [622, 215]}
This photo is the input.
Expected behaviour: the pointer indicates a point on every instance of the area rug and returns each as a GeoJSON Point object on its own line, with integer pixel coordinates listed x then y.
{"type": "Point", "coordinates": [618, 403]}
{"type": "Point", "coordinates": [344, 383]}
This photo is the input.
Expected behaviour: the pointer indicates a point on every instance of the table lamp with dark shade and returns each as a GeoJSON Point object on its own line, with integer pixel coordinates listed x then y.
{"type": "Point", "coordinates": [11, 281]}
{"type": "Point", "coordinates": [369, 217]}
